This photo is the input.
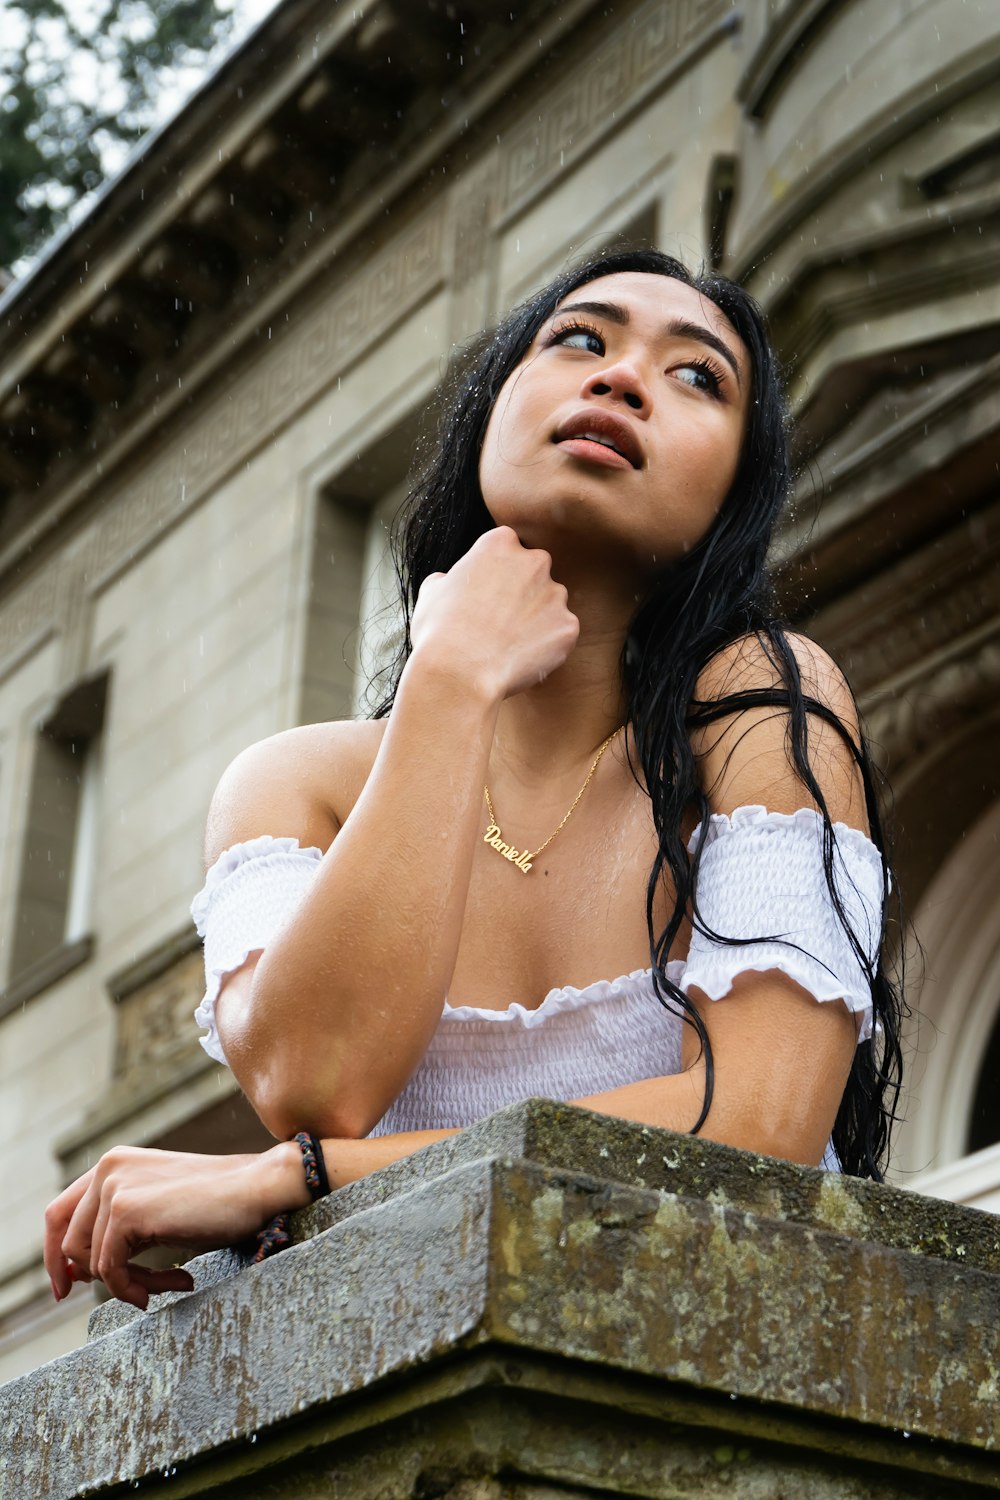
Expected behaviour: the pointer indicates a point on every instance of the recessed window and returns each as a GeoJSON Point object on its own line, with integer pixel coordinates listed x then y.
{"type": "Point", "coordinates": [353, 624]}
{"type": "Point", "coordinates": [55, 893]}
{"type": "Point", "coordinates": [380, 627]}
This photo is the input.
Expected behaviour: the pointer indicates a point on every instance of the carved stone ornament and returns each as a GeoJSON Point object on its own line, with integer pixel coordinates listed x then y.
{"type": "Point", "coordinates": [935, 704]}
{"type": "Point", "coordinates": [156, 1030]}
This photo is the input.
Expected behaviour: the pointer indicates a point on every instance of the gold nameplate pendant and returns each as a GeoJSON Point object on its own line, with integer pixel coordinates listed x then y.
{"type": "Point", "coordinates": [522, 858]}
{"type": "Point", "coordinates": [518, 857]}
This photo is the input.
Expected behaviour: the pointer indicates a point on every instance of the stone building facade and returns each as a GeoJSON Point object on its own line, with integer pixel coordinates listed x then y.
{"type": "Point", "coordinates": [209, 394]}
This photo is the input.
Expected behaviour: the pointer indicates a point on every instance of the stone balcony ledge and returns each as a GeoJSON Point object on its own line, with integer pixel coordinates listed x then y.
{"type": "Point", "coordinates": [551, 1303]}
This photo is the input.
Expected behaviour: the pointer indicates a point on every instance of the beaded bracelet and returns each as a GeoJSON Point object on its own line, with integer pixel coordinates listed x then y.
{"type": "Point", "coordinates": [277, 1235]}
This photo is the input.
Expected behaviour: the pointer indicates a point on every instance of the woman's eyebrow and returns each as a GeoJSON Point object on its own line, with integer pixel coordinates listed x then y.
{"type": "Point", "coordinates": [680, 328]}
{"type": "Point", "coordinates": [612, 311]}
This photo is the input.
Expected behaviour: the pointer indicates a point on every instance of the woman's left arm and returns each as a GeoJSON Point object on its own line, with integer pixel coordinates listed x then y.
{"type": "Point", "coordinates": [781, 1058]}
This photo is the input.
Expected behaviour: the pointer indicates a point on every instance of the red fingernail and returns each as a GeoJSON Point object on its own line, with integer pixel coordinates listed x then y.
{"type": "Point", "coordinates": [53, 1286]}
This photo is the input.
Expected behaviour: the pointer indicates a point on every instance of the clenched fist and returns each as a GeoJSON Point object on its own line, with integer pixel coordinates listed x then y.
{"type": "Point", "coordinates": [497, 618]}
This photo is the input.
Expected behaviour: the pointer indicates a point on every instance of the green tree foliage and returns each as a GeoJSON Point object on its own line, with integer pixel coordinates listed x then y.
{"type": "Point", "coordinates": [80, 82]}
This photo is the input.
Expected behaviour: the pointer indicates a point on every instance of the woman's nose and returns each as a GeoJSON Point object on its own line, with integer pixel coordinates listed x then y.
{"type": "Point", "coordinates": [622, 382]}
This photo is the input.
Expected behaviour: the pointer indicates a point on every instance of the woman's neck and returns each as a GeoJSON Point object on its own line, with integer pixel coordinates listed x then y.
{"type": "Point", "coordinates": [552, 729]}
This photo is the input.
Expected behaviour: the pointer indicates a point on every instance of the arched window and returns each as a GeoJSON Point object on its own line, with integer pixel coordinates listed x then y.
{"type": "Point", "coordinates": [953, 1100]}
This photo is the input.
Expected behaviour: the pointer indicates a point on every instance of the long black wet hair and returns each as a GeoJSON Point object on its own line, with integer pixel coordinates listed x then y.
{"type": "Point", "coordinates": [714, 595]}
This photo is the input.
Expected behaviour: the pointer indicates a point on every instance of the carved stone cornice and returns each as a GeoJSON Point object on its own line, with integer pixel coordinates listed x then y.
{"type": "Point", "coordinates": [954, 689]}
{"type": "Point", "coordinates": [872, 133]}
{"type": "Point", "coordinates": [659, 42]}
{"type": "Point", "coordinates": [902, 621]}
{"type": "Point", "coordinates": [274, 162]}
{"type": "Point", "coordinates": [917, 453]}
{"type": "Point", "coordinates": [774, 59]}
{"type": "Point", "coordinates": [218, 437]}
{"type": "Point", "coordinates": [285, 363]}
{"type": "Point", "coordinates": [857, 278]}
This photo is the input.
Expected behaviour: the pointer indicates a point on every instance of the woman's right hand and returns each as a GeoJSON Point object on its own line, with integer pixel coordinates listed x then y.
{"type": "Point", "coordinates": [135, 1198]}
{"type": "Point", "coordinates": [497, 618]}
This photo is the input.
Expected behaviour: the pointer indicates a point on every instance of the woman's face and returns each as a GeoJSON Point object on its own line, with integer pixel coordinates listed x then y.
{"type": "Point", "coordinates": [621, 428]}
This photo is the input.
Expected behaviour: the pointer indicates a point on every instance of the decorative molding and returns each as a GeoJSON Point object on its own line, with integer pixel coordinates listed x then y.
{"type": "Point", "coordinates": [895, 120]}
{"type": "Point", "coordinates": [661, 39]}
{"type": "Point", "coordinates": [158, 1058]}
{"type": "Point", "coordinates": [154, 964]}
{"type": "Point", "coordinates": [972, 1180]}
{"type": "Point", "coordinates": [933, 703]}
{"type": "Point", "coordinates": [279, 386]}
{"type": "Point", "coordinates": [783, 43]}
{"type": "Point", "coordinates": [859, 274]}
{"type": "Point", "coordinates": [472, 246]}
{"type": "Point", "coordinates": [155, 1029]}
{"type": "Point", "coordinates": [472, 211]}
{"type": "Point", "coordinates": [283, 382]}
{"type": "Point", "coordinates": [894, 430]}
{"type": "Point", "coordinates": [946, 593]}
{"type": "Point", "coordinates": [935, 617]}
{"type": "Point", "coordinates": [46, 972]}
{"type": "Point", "coordinates": [958, 923]}
{"type": "Point", "coordinates": [394, 75]}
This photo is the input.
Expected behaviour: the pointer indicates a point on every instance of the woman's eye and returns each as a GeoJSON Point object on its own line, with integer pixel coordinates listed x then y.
{"type": "Point", "coordinates": [580, 338]}
{"type": "Point", "coordinates": [700, 377]}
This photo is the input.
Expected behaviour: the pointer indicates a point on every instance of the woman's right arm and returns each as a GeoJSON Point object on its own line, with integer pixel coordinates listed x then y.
{"type": "Point", "coordinates": [325, 1029]}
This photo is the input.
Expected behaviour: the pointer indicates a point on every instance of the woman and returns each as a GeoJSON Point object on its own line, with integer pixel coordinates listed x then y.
{"type": "Point", "coordinates": [603, 752]}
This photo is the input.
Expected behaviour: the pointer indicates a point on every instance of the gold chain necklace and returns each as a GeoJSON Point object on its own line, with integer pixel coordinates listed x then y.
{"type": "Point", "coordinates": [521, 857]}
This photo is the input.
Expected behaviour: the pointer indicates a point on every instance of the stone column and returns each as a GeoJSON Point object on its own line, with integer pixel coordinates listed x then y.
{"type": "Point", "coordinates": [552, 1303]}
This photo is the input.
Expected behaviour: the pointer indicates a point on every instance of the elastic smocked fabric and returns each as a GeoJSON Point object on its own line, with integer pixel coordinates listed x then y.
{"type": "Point", "coordinates": [761, 876]}
{"type": "Point", "coordinates": [249, 894]}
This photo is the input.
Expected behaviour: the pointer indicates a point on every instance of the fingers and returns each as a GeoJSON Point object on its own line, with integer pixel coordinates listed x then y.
{"type": "Point", "coordinates": [135, 1284]}
{"type": "Point", "coordinates": [101, 1236]}
{"type": "Point", "coordinates": [104, 1255]}
{"type": "Point", "coordinates": [165, 1279]}
{"type": "Point", "coordinates": [57, 1219]}
{"type": "Point", "coordinates": [110, 1250]}
{"type": "Point", "coordinates": [498, 619]}
{"type": "Point", "coordinates": [135, 1198]}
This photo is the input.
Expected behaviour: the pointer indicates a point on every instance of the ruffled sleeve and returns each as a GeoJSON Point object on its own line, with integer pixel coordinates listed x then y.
{"type": "Point", "coordinates": [248, 895]}
{"type": "Point", "coordinates": [761, 876]}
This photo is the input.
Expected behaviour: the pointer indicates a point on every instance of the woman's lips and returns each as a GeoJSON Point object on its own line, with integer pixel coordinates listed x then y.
{"type": "Point", "coordinates": [600, 436]}
{"type": "Point", "coordinates": [594, 452]}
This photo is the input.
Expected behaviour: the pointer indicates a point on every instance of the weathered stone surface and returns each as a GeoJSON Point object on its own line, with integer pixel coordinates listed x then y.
{"type": "Point", "coordinates": [581, 1140]}
{"type": "Point", "coordinates": [562, 1135]}
{"type": "Point", "coordinates": [525, 1430]}
{"type": "Point", "coordinates": [698, 1292]}
{"type": "Point", "coordinates": [630, 1339]}
{"type": "Point", "coordinates": [327, 1317]}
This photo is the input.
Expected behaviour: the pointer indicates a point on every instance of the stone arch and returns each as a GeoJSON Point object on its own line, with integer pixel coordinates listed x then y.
{"type": "Point", "coordinates": [958, 1005]}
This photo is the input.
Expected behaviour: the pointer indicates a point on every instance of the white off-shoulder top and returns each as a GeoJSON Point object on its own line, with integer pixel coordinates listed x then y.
{"type": "Point", "coordinates": [760, 880]}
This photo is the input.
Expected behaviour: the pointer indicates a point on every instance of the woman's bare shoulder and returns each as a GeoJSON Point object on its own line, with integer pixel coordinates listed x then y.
{"type": "Point", "coordinates": [744, 757]}
{"type": "Point", "coordinates": [748, 663]}
{"type": "Point", "coordinates": [301, 783]}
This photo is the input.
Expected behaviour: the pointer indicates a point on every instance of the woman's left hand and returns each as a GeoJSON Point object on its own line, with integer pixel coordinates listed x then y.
{"type": "Point", "coordinates": [135, 1198]}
